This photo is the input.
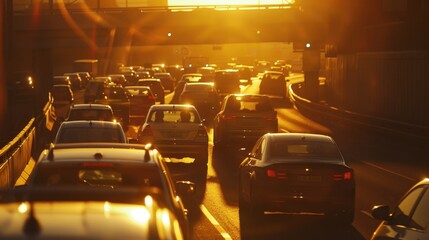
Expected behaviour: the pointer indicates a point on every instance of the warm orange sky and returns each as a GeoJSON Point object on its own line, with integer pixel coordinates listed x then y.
{"type": "Point", "coordinates": [225, 2]}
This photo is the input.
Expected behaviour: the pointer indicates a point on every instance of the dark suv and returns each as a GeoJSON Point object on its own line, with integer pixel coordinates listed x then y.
{"type": "Point", "coordinates": [227, 81]}
{"type": "Point", "coordinates": [243, 119]}
{"type": "Point", "coordinates": [117, 97]}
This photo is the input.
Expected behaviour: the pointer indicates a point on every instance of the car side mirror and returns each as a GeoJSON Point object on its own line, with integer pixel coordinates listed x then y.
{"type": "Point", "coordinates": [185, 188]}
{"type": "Point", "coordinates": [381, 212]}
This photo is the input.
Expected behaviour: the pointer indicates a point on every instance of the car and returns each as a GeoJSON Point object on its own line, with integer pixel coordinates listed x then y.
{"type": "Point", "coordinates": [62, 80]}
{"type": "Point", "coordinates": [76, 80]}
{"type": "Point", "coordinates": [90, 131]}
{"type": "Point", "coordinates": [178, 132]}
{"type": "Point", "coordinates": [295, 174]}
{"type": "Point", "coordinates": [63, 98]}
{"type": "Point", "coordinates": [203, 96]}
{"type": "Point", "coordinates": [166, 79]}
{"type": "Point", "coordinates": [84, 214]}
{"type": "Point", "coordinates": [186, 78]}
{"type": "Point", "coordinates": [90, 111]}
{"type": "Point", "coordinates": [22, 87]}
{"type": "Point", "coordinates": [112, 166]}
{"type": "Point", "coordinates": [94, 88]}
{"type": "Point", "coordinates": [118, 79]}
{"type": "Point", "coordinates": [141, 99]}
{"type": "Point", "coordinates": [409, 219]}
{"type": "Point", "coordinates": [155, 86]}
{"type": "Point", "coordinates": [86, 77]}
{"type": "Point", "coordinates": [116, 97]}
{"type": "Point", "coordinates": [242, 120]}
{"type": "Point", "coordinates": [227, 81]}
{"type": "Point", "coordinates": [191, 77]}
{"type": "Point", "coordinates": [274, 83]}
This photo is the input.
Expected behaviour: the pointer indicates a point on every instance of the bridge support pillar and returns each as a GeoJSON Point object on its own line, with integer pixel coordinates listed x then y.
{"type": "Point", "coordinates": [311, 67]}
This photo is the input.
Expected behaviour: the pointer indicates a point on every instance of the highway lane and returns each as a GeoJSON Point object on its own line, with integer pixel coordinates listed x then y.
{"type": "Point", "coordinates": [385, 167]}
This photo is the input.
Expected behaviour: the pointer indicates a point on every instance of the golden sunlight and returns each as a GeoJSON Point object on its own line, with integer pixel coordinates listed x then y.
{"type": "Point", "coordinates": [225, 2]}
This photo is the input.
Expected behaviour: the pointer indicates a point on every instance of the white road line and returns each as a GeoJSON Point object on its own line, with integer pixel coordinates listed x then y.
{"type": "Point", "coordinates": [215, 223]}
{"type": "Point", "coordinates": [386, 170]}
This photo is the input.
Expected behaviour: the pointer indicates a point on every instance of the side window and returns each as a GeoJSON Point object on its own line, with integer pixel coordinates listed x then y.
{"type": "Point", "coordinates": [259, 149]}
{"type": "Point", "coordinates": [401, 215]}
{"type": "Point", "coordinates": [420, 218]}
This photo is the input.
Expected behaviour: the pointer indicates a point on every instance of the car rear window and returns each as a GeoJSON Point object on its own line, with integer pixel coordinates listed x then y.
{"type": "Point", "coordinates": [139, 91]}
{"type": "Point", "coordinates": [96, 174]}
{"type": "Point", "coordinates": [246, 103]}
{"type": "Point", "coordinates": [295, 150]}
{"type": "Point", "coordinates": [198, 88]}
{"type": "Point", "coordinates": [175, 116]}
{"type": "Point", "coordinates": [90, 134]}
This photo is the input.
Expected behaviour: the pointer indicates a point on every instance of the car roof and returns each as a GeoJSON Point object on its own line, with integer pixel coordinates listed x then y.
{"type": "Point", "coordinates": [98, 153]}
{"type": "Point", "coordinates": [299, 137]}
{"type": "Point", "coordinates": [149, 80]}
{"type": "Point", "coordinates": [171, 107]}
{"type": "Point", "coordinates": [91, 106]}
{"type": "Point", "coordinates": [49, 214]}
{"type": "Point", "coordinates": [273, 72]}
{"type": "Point", "coordinates": [91, 123]}
{"type": "Point", "coordinates": [247, 95]}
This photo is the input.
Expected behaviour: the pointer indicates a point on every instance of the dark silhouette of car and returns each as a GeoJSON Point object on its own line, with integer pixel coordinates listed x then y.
{"type": "Point", "coordinates": [155, 86]}
{"type": "Point", "coordinates": [116, 97]}
{"type": "Point", "coordinates": [274, 83]}
{"type": "Point", "coordinates": [243, 119]}
{"type": "Point", "coordinates": [295, 174]}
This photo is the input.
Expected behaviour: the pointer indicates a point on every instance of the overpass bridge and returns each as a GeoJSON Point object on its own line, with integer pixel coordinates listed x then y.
{"type": "Point", "coordinates": [369, 56]}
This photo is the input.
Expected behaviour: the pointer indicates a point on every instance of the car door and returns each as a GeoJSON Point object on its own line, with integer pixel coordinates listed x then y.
{"type": "Point", "coordinates": [248, 167]}
{"type": "Point", "coordinates": [410, 219]}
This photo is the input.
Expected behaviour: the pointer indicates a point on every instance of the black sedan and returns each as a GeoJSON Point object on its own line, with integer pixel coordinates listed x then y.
{"type": "Point", "coordinates": [295, 174]}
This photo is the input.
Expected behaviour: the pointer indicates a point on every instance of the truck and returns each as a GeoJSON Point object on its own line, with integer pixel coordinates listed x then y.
{"type": "Point", "coordinates": [86, 65]}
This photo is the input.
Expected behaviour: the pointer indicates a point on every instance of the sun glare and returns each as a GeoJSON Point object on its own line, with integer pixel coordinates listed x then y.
{"type": "Point", "coordinates": [224, 2]}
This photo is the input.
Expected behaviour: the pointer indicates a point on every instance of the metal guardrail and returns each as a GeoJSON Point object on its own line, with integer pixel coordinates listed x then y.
{"type": "Point", "coordinates": [335, 115]}
{"type": "Point", "coordinates": [28, 143]}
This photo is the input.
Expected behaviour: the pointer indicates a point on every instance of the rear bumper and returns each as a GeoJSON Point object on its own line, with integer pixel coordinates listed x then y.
{"type": "Point", "coordinates": [181, 150]}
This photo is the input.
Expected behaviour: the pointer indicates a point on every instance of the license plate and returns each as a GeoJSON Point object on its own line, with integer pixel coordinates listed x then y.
{"type": "Point", "coordinates": [309, 178]}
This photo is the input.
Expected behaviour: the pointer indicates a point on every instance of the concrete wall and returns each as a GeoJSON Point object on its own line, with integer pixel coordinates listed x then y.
{"type": "Point", "coordinates": [391, 85]}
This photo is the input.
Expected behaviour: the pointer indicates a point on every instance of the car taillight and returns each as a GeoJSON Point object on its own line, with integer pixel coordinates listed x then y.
{"type": "Point", "coordinates": [271, 173]}
{"type": "Point", "coordinates": [343, 176]}
{"type": "Point", "coordinates": [202, 132]}
{"type": "Point", "coordinates": [150, 97]}
{"type": "Point", "coordinates": [228, 117]}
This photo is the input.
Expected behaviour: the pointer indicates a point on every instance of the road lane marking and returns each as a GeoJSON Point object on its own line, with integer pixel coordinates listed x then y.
{"type": "Point", "coordinates": [386, 170]}
{"type": "Point", "coordinates": [215, 223]}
